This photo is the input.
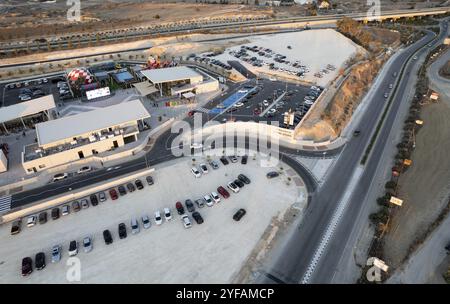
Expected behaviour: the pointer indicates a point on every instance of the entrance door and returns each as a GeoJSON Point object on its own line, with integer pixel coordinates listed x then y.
{"type": "Point", "coordinates": [80, 154]}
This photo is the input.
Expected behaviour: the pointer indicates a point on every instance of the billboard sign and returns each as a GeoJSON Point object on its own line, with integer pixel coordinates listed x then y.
{"type": "Point", "coordinates": [102, 92]}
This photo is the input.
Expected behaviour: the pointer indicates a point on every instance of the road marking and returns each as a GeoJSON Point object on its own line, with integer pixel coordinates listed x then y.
{"type": "Point", "coordinates": [332, 225]}
{"type": "Point", "coordinates": [5, 203]}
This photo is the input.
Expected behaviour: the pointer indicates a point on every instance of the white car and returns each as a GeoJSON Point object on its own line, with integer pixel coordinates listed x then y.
{"type": "Point", "coordinates": [84, 169]}
{"type": "Point", "coordinates": [167, 214]}
{"type": "Point", "coordinates": [31, 221]}
{"type": "Point", "coordinates": [196, 173]}
{"type": "Point", "coordinates": [158, 218]}
{"type": "Point", "coordinates": [146, 222]}
{"type": "Point", "coordinates": [233, 187]}
{"type": "Point", "coordinates": [208, 200]}
{"type": "Point", "coordinates": [239, 104]}
{"type": "Point", "coordinates": [60, 176]}
{"type": "Point", "coordinates": [186, 221]}
{"type": "Point", "coordinates": [204, 168]}
{"type": "Point", "coordinates": [215, 197]}
{"type": "Point", "coordinates": [87, 244]}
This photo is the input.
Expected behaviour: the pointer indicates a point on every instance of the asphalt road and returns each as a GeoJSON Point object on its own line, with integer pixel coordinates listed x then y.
{"type": "Point", "coordinates": [297, 256]}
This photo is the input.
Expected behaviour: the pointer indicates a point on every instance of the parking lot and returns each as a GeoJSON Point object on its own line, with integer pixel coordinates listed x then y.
{"type": "Point", "coordinates": [212, 252]}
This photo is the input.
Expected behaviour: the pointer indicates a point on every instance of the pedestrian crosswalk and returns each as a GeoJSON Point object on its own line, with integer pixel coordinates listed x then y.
{"type": "Point", "coordinates": [5, 203]}
{"type": "Point", "coordinates": [202, 110]}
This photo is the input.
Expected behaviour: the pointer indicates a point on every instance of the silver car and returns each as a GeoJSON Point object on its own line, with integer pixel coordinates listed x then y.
{"type": "Point", "coordinates": [56, 253]}
{"type": "Point", "coordinates": [146, 222]}
{"type": "Point", "coordinates": [134, 226]}
{"type": "Point", "coordinates": [87, 244]}
{"type": "Point", "coordinates": [102, 196]}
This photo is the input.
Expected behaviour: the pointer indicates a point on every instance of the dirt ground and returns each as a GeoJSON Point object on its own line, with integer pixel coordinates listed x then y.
{"type": "Point", "coordinates": [425, 186]}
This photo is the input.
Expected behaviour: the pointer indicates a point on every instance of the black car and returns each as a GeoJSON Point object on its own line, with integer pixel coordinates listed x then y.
{"type": "Point", "coordinates": [16, 226]}
{"type": "Point", "coordinates": [356, 133]}
{"type": "Point", "coordinates": [197, 217]}
{"type": "Point", "coordinates": [139, 184]}
{"type": "Point", "coordinates": [122, 231]}
{"type": "Point", "coordinates": [131, 187]}
{"type": "Point", "coordinates": [107, 237]}
{"type": "Point", "coordinates": [447, 248]}
{"type": "Point", "coordinates": [122, 190]}
{"type": "Point", "coordinates": [39, 261]}
{"type": "Point", "coordinates": [244, 178]}
{"type": "Point", "coordinates": [244, 159]}
{"type": "Point", "coordinates": [239, 183]}
{"type": "Point", "coordinates": [27, 266]}
{"type": "Point", "coordinates": [189, 205]}
{"type": "Point", "coordinates": [55, 213]}
{"type": "Point", "coordinates": [94, 199]}
{"type": "Point", "coordinates": [224, 160]}
{"type": "Point", "coordinates": [239, 214]}
{"type": "Point", "coordinates": [272, 174]}
{"type": "Point", "coordinates": [43, 217]}
{"type": "Point", "coordinates": [149, 180]}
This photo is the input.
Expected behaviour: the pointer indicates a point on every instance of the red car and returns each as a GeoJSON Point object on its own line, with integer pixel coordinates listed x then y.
{"type": "Point", "coordinates": [113, 194]}
{"type": "Point", "coordinates": [223, 192]}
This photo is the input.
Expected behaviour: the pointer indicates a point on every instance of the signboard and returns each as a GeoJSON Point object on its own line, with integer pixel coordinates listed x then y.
{"type": "Point", "coordinates": [102, 92]}
{"type": "Point", "coordinates": [289, 118]}
{"type": "Point", "coordinates": [396, 201]}
{"type": "Point", "coordinates": [407, 162]}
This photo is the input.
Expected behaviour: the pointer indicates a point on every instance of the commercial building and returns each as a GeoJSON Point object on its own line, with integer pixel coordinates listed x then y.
{"type": "Point", "coordinates": [84, 135]}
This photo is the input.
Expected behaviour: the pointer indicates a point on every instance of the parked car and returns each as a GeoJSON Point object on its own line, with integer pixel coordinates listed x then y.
{"type": "Point", "coordinates": [131, 187]}
{"type": "Point", "coordinates": [180, 208]}
{"type": "Point", "coordinates": [139, 184]}
{"type": "Point", "coordinates": [101, 196]}
{"type": "Point", "coordinates": [239, 183]}
{"type": "Point", "coordinates": [87, 244]}
{"type": "Point", "coordinates": [149, 180]}
{"type": "Point", "coordinates": [239, 214]}
{"type": "Point", "coordinates": [122, 230]}
{"type": "Point", "coordinates": [224, 160]}
{"type": "Point", "coordinates": [186, 221]}
{"type": "Point", "coordinates": [60, 176]}
{"type": "Point", "coordinates": [233, 159]}
{"type": "Point", "coordinates": [94, 199]}
{"type": "Point", "coordinates": [73, 248]}
{"type": "Point", "coordinates": [215, 197]}
{"type": "Point", "coordinates": [208, 200]}
{"type": "Point", "coordinates": [113, 194]}
{"type": "Point", "coordinates": [214, 164]}
{"type": "Point", "coordinates": [244, 159]}
{"type": "Point", "coordinates": [167, 214]}
{"type": "Point", "coordinates": [134, 226]}
{"type": "Point", "coordinates": [43, 217]}
{"type": "Point", "coordinates": [16, 227]}
{"type": "Point", "coordinates": [84, 169]}
{"type": "Point", "coordinates": [196, 173]}
{"type": "Point", "coordinates": [272, 174]}
{"type": "Point", "coordinates": [27, 266]}
{"type": "Point", "coordinates": [65, 210]}
{"type": "Point", "coordinates": [197, 217]}
{"type": "Point", "coordinates": [189, 205]}
{"type": "Point", "coordinates": [107, 237]}
{"type": "Point", "coordinates": [158, 218]}
{"type": "Point", "coordinates": [56, 253]}
{"type": "Point", "coordinates": [200, 202]}
{"type": "Point", "coordinates": [146, 223]}
{"type": "Point", "coordinates": [233, 187]}
{"type": "Point", "coordinates": [55, 213]}
{"type": "Point", "coordinates": [39, 261]}
{"type": "Point", "coordinates": [122, 190]}
{"type": "Point", "coordinates": [31, 221]}
{"type": "Point", "coordinates": [204, 168]}
{"type": "Point", "coordinates": [76, 206]}
{"type": "Point", "coordinates": [84, 203]}
{"type": "Point", "coordinates": [223, 192]}
{"type": "Point", "coordinates": [244, 178]}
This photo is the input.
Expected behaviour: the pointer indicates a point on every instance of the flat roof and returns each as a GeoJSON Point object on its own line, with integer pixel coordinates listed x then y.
{"type": "Point", "coordinates": [170, 74]}
{"type": "Point", "coordinates": [27, 108]}
{"type": "Point", "coordinates": [92, 121]}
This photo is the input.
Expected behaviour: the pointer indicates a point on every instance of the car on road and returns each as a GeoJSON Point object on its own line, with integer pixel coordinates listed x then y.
{"type": "Point", "coordinates": [107, 237]}
{"type": "Point", "coordinates": [43, 217]}
{"type": "Point", "coordinates": [233, 187]}
{"type": "Point", "coordinates": [356, 133]}
{"type": "Point", "coordinates": [186, 221]}
{"type": "Point", "coordinates": [139, 184]}
{"type": "Point", "coordinates": [122, 230]}
{"type": "Point", "coordinates": [214, 164]}
{"type": "Point", "coordinates": [189, 205]}
{"type": "Point", "coordinates": [415, 58]}
{"type": "Point", "coordinates": [56, 253]}
{"type": "Point", "coordinates": [87, 244]}
{"type": "Point", "coordinates": [239, 214]}
{"type": "Point", "coordinates": [447, 248]}
{"type": "Point", "coordinates": [65, 210]}
{"type": "Point", "coordinates": [167, 214]}
{"type": "Point", "coordinates": [122, 190]}
{"type": "Point", "coordinates": [244, 159]}
{"type": "Point", "coordinates": [146, 223]}
{"type": "Point", "coordinates": [39, 261]}
{"type": "Point", "coordinates": [84, 203]}
{"type": "Point", "coordinates": [200, 202]}
{"type": "Point", "coordinates": [391, 86]}
{"type": "Point", "coordinates": [113, 194]}
{"type": "Point", "coordinates": [386, 95]}
{"type": "Point", "coordinates": [195, 171]}
{"type": "Point", "coordinates": [239, 183]}
{"type": "Point", "coordinates": [94, 199]}
{"type": "Point", "coordinates": [158, 218]}
{"type": "Point", "coordinates": [134, 226]}
{"type": "Point", "coordinates": [101, 197]}
{"type": "Point", "coordinates": [60, 176]}
{"type": "Point", "coordinates": [179, 207]}
{"type": "Point", "coordinates": [244, 178]}
{"type": "Point", "coordinates": [84, 169]}
{"type": "Point", "coordinates": [223, 192]}
{"type": "Point", "coordinates": [55, 213]}
{"type": "Point", "coordinates": [233, 159]}
{"type": "Point", "coordinates": [197, 217]}
{"type": "Point", "coordinates": [208, 200]}
{"type": "Point", "coordinates": [131, 187]}
{"type": "Point", "coordinates": [16, 226]}
{"type": "Point", "coordinates": [31, 221]}
{"type": "Point", "coordinates": [272, 174]}
{"type": "Point", "coordinates": [224, 160]}
{"type": "Point", "coordinates": [27, 266]}
{"type": "Point", "coordinates": [204, 169]}
{"type": "Point", "coordinates": [73, 248]}
{"type": "Point", "coordinates": [149, 180]}
{"type": "Point", "coordinates": [215, 197]}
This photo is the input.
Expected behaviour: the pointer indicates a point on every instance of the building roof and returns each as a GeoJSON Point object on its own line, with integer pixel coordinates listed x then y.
{"type": "Point", "coordinates": [170, 74]}
{"type": "Point", "coordinates": [92, 121]}
{"type": "Point", "coordinates": [27, 108]}
{"type": "Point", "coordinates": [145, 88]}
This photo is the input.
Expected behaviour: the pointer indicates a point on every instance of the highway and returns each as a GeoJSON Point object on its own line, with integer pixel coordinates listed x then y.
{"type": "Point", "coordinates": [311, 255]}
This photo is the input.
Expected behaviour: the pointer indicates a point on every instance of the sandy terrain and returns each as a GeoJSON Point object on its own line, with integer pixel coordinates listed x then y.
{"type": "Point", "coordinates": [213, 252]}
